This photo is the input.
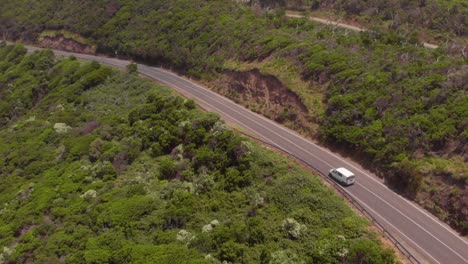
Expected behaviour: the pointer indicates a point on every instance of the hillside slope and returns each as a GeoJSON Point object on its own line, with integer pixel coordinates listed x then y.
{"type": "Point", "coordinates": [398, 107]}
{"type": "Point", "coordinates": [98, 166]}
{"type": "Point", "coordinates": [436, 21]}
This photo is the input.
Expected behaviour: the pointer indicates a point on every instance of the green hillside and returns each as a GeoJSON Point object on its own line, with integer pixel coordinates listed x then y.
{"type": "Point", "coordinates": [399, 107]}
{"type": "Point", "coordinates": [99, 166]}
{"type": "Point", "coordinates": [436, 21]}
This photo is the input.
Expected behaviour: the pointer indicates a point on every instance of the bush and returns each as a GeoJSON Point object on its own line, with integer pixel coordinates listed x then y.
{"type": "Point", "coordinates": [94, 196]}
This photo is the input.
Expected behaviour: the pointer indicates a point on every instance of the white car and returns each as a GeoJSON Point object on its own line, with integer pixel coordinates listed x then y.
{"type": "Point", "coordinates": [343, 175]}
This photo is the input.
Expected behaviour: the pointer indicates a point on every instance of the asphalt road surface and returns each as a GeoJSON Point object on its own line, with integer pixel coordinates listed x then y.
{"type": "Point", "coordinates": [427, 238]}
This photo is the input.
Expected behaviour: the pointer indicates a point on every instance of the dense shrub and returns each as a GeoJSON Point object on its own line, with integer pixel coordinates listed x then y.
{"type": "Point", "coordinates": [154, 181]}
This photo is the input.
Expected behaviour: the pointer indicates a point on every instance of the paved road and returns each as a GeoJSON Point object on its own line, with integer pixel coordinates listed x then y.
{"type": "Point", "coordinates": [338, 24]}
{"type": "Point", "coordinates": [430, 240]}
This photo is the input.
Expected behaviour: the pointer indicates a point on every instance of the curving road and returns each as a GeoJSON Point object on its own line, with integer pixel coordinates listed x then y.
{"type": "Point", "coordinates": [428, 239]}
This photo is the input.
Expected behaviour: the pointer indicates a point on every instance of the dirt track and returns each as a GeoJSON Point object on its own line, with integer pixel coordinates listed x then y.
{"type": "Point", "coordinates": [337, 24]}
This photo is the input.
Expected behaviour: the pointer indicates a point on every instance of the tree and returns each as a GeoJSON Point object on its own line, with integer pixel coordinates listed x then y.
{"type": "Point", "coordinates": [232, 252]}
{"type": "Point", "coordinates": [167, 168]}
{"type": "Point", "coordinates": [364, 251]}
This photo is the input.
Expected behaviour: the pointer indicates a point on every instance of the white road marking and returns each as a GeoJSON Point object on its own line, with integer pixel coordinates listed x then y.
{"type": "Point", "coordinates": [437, 221]}
{"type": "Point", "coordinates": [266, 128]}
{"type": "Point", "coordinates": [323, 149]}
{"type": "Point", "coordinates": [369, 208]}
{"type": "Point", "coordinates": [302, 139]}
{"type": "Point", "coordinates": [412, 221]}
{"type": "Point", "coordinates": [308, 152]}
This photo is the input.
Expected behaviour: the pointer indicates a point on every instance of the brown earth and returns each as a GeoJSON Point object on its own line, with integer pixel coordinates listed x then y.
{"type": "Point", "coordinates": [66, 44]}
{"type": "Point", "coordinates": [447, 201]}
{"type": "Point", "coordinates": [264, 94]}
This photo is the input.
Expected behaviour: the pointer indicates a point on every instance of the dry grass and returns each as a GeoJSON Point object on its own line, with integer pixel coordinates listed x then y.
{"type": "Point", "coordinates": [310, 95]}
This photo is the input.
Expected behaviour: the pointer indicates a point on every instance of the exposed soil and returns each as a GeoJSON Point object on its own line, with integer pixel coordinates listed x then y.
{"type": "Point", "coordinates": [66, 44]}
{"type": "Point", "coordinates": [449, 202]}
{"type": "Point", "coordinates": [264, 94]}
{"type": "Point", "coordinates": [441, 194]}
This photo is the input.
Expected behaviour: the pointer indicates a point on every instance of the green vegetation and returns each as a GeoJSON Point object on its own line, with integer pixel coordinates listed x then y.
{"type": "Point", "coordinates": [100, 166]}
{"type": "Point", "coordinates": [66, 34]}
{"type": "Point", "coordinates": [435, 21]}
{"type": "Point", "coordinates": [402, 107]}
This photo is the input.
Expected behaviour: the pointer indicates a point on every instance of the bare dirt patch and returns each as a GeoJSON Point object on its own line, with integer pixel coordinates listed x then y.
{"type": "Point", "coordinates": [264, 94]}
{"type": "Point", "coordinates": [66, 44]}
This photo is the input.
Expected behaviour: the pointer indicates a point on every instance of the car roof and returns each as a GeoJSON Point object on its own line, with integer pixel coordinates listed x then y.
{"type": "Point", "coordinates": [345, 172]}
